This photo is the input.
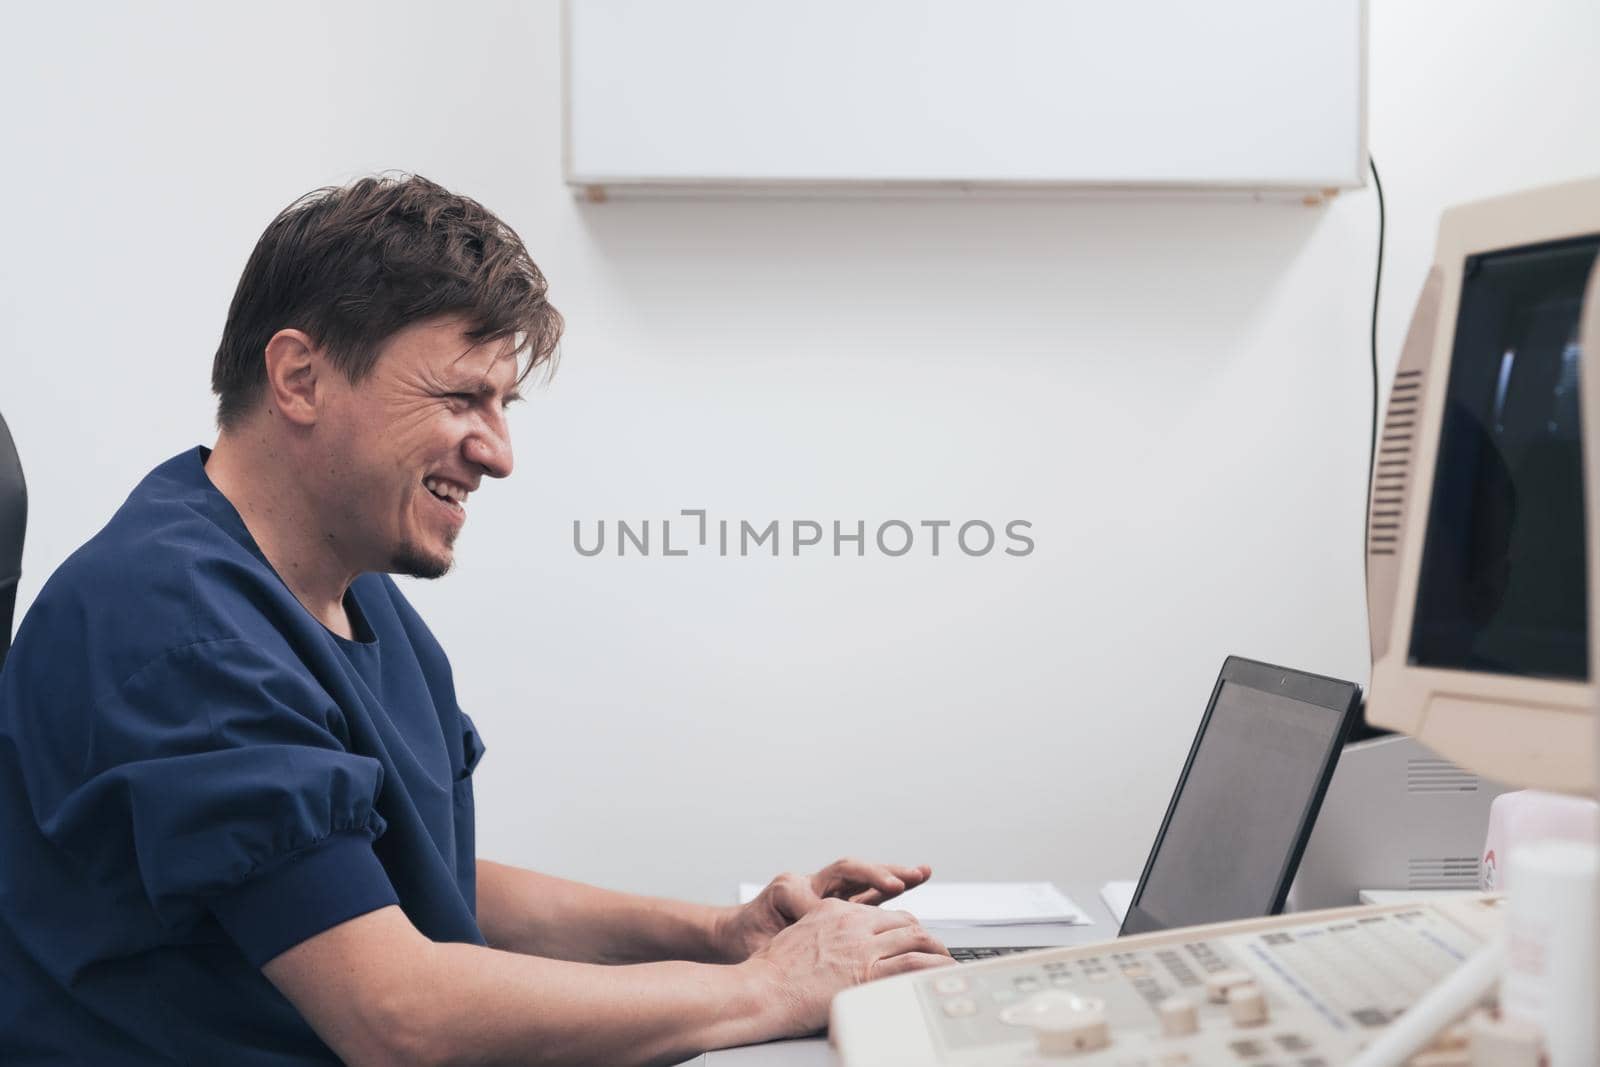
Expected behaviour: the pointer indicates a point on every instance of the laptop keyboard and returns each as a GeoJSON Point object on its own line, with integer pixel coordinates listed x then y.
{"type": "Point", "coordinates": [970, 955]}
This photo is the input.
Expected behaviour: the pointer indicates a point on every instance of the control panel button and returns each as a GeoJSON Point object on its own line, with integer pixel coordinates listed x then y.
{"type": "Point", "coordinates": [1247, 1005]}
{"type": "Point", "coordinates": [960, 1007]}
{"type": "Point", "coordinates": [1292, 1042]}
{"type": "Point", "coordinates": [1451, 1038]}
{"type": "Point", "coordinates": [1503, 1042]}
{"type": "Point", "coordinates": [949, 983]}
{"type": "Point", "coordinates": [1217, 985]}
{"type": "Point", "coordinates": [1179, 1017]}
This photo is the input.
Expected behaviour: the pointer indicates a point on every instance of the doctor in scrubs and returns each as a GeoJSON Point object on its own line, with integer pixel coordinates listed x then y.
{"type": "Point", "coordinates": [236, 815]}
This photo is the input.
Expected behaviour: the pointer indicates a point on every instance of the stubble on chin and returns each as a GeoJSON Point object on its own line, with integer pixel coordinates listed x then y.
{"type": "Point", "coordinates": [413, 562]}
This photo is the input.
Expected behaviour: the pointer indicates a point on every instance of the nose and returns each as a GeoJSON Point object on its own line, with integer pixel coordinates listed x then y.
{"type": "Point", "coordinates": [490, 448]}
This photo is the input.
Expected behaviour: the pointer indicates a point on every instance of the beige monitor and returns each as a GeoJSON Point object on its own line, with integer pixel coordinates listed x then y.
{"type": "Point", "coordinates": [1481, 558]}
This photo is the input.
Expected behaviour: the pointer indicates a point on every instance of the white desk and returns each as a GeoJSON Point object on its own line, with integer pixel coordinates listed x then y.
{"type": "Point", "coordinates": [816, 1052]}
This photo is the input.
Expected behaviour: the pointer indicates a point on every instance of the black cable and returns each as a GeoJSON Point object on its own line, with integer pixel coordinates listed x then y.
{"type": "Point", "coordinates": [1362, 729]}
{"type": "Point", "coordinates": [1372, 440]}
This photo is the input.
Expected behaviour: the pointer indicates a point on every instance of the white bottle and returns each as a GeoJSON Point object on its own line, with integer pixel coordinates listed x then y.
{"type": "Point", "coordinates": [1552, 977]}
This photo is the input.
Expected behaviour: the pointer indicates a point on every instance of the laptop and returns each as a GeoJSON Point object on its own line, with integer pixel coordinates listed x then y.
{"type": "Point", "coordinates": [1245, 802]}
{"type": "Point", "coordinates": [1247, 799]}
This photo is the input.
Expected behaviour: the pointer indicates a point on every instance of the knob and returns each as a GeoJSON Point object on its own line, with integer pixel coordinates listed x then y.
{"type": "Point", "coordinates": [1062, 1035]}
{"type": "Point", "coordinates": [1063, 1024]}
{"type": "Point", "coordinates": [1247, 1005]}
{"type": "Point", "coordinates": [1179, 1017]}
{"type": "Point", "coordinates": [1217, 985]}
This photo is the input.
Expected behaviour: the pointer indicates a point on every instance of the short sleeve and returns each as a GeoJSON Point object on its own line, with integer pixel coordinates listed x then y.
{"type": "Point", "coordinates": [217, 776]}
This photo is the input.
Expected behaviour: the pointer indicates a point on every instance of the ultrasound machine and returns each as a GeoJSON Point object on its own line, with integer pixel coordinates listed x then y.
{"type": "Point", "coordinates": [1483, 552]}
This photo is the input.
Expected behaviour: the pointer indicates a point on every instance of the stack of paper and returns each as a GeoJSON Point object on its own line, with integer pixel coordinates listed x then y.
{"type": "Point", "coordinates": [978, 904]}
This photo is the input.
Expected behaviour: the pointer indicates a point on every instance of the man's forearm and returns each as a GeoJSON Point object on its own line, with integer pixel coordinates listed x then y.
{"type": "Point", "coordinates": [536, 914]}
{"type": "Point", "coordinates": [486, 1006]}
{"type": "Point", "coordinates": [380, 993]}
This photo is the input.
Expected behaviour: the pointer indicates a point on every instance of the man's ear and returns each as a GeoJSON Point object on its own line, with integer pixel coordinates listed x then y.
{"type": "Point", "coordinates": [295, 386]}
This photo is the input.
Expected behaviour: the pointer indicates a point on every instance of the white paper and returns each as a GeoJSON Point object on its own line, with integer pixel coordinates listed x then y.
{"type": "Point", "coordinates": [977, 903]}
{"type": "Point", "coordinates": [1118, 897]}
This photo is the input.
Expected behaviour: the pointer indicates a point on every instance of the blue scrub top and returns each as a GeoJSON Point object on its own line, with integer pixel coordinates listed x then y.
{"type": "Point", "coordinates": [196, 775]}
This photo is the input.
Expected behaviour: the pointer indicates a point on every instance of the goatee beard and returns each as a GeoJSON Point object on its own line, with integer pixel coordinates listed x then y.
{"type": "Point", "coordinates": [412, 562]}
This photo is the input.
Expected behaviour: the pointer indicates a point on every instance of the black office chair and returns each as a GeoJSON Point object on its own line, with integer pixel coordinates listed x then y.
{"type": "Point", "coordinates": [13, 522]}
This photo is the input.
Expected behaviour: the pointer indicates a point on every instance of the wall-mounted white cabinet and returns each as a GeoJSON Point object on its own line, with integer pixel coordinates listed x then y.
{"type": "Point", "coordinates": [861, 96]}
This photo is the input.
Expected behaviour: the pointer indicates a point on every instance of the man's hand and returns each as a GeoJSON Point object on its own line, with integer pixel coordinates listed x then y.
{"type": "Point", "coordinates": [748, 928]}
{"type": "Point", "coordinates": [835, 946]}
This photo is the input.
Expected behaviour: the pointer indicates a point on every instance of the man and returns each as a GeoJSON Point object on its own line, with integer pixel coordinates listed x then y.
{"type": "Point", "coordinates": [236, 820]}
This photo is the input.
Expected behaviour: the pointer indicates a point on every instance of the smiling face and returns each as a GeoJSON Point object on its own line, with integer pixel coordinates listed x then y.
{"type": "Point", "coordinates": [408, 443]}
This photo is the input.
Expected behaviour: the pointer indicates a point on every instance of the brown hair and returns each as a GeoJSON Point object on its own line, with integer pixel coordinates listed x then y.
{"type": "Point", "coordinates": [352, 265]}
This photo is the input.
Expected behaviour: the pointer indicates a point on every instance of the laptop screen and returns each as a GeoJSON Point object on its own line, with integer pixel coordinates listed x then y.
{"type": "Point", "coordinates": [1248, 796]}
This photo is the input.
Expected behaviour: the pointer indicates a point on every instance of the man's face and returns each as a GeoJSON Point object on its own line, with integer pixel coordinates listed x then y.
{"type": "Point", "coordinates": [407, 443]}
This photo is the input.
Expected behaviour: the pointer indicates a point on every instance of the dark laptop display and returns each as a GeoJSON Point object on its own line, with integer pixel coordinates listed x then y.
{"type": "Point", "coordinates": [1247, 799]}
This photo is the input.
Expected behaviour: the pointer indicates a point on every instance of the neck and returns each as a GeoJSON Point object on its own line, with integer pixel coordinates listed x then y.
{"type": "Point", "coordinates": [257, 475]}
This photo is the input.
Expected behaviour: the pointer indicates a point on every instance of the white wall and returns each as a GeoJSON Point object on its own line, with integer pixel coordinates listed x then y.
{"type": "Point", "coordinates": [1174, 393]}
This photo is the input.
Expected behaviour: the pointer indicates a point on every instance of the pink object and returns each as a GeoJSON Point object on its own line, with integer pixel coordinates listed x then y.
{"type": "Point", "coordinates": [1528, 816]}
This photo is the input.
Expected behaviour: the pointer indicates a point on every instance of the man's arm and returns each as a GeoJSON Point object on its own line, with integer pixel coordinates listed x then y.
{"type": "Point", "coordinates": [540, 915]}
{"type": "Point", "coordinates": [536, 914]}
{"type": "Point", "coordinates": [379, 992]}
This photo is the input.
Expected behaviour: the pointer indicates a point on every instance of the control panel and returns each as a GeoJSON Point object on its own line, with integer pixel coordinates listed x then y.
{"type": "Point", "coordinates": [1307, 990]}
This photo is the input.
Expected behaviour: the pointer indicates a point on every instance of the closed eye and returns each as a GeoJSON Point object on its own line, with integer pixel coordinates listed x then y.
{"type": "Point", "coordinates": [467, 400]}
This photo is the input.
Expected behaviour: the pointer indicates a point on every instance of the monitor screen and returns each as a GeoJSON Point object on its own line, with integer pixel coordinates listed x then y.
{"type": "Point", "coordinates": [1503, 586]}
{"type": "Point", "coordinates": [1243, 809]}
